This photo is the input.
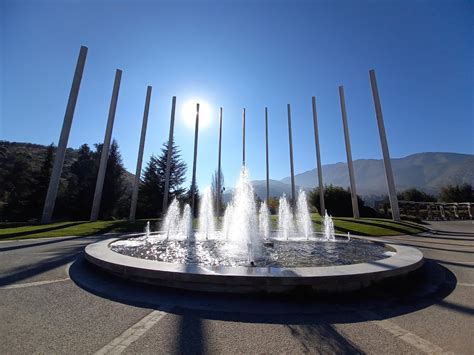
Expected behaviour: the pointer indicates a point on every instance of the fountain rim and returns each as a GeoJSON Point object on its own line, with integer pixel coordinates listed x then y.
{"type": "Point", "coordinates": [247, 279]}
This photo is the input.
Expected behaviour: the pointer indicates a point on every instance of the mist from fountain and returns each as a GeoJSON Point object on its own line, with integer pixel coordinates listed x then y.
{"type": "Point", "coordinates": [264, 220]}
{"type": "Point", "coordinates": [286, 225]}
{"type": "Point", "coordinates": [147, 230]}
{"type": "Point", "coordinates": [240, 219]}
{"type": "Point", "coordinates": [186, 223]}
{"type": "Point", "coordinates": [328, 228]}
{"type": "Point", "coordinates": [242, 228]}
{"type": "Point", "coordinates": [227, 220]}
{"type": "Point", "coordinates": [303, 219]}
{"type": "Point", "coordinates": [171, 223]}
{"type": "Point", "coordinates": [206, 213]}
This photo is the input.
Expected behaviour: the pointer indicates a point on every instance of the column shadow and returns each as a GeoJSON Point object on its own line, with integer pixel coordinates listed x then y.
{"type": "Point", "coordinates": [420, 289]}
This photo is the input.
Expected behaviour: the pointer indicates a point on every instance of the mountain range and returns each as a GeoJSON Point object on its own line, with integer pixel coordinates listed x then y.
{"type": "Point", "coordinates": [425, 171]}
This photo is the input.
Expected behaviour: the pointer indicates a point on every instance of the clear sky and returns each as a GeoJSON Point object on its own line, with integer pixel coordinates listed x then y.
{"type": "Point", "coordinates": [238, 54]}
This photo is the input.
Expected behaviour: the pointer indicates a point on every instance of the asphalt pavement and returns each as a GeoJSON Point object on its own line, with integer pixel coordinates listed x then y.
{"type": "Point", "coordinates": [53, 302]}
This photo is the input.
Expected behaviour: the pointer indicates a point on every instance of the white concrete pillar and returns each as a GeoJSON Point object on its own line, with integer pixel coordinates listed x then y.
{"type": "Point", "coordinates": [290, 141]}
{"type": "Point", "coordinates": [267, 156]}
{"type": "Point", "coordinates": [318, 159]}
{"type": "Point", "coordinates": [105, 148]}
{"type": "Point", "coordinates": [243, 137]}
{"type": "Point", "coordinates": [355, 205]}
{"type": "Point", "coordinates": [219, 187]}
{"type": "Point", "coordinates": [168, 158]}
{"type": "Point", "coordinates": [193, 182]}
{"type": "Point", "coordinates": [138, 171]}
{"type": "Point", "coordinates": [392, 193]}
{"type": "Point", "coordinates": [50, 200]}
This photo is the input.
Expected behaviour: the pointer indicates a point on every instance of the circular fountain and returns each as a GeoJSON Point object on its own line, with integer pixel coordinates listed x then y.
{"type": "Point", "coordinates": [246, 255]}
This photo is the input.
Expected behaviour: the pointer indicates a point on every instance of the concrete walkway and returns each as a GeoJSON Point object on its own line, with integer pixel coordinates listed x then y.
{"type": "Point", "coordinates": [51, 301]}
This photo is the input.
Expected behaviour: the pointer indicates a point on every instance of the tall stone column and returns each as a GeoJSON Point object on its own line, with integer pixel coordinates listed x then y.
{"type": "Point", "coordinates": [355, 205]}
{"type": "Point", "coordinates": [243, 137]}
{"type": "Point", "coordinates": [318, 159]}
{"type": "Point", "coordinates": [193, 181]}
{"type": "Point", "coordinates": [105, 148]}
{"type": "Point", "coordinates": [266, 156]}
{"type": "Point", "coordinates": [219, 187]}
{"type": "Point", "coordinates": [392, 193]}
{"type": "Point", "coordinates": [138, 171]}
{"type": "Point", "coordinates": [290, 141]}
{"type": "Point", "coordinates": [168, 157]}
{"type": "Point", "coordinates": [50, 200]}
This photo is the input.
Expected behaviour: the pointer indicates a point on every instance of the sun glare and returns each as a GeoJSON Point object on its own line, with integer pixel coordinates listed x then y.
{"type": "Point", "coordinates": [189, 113]}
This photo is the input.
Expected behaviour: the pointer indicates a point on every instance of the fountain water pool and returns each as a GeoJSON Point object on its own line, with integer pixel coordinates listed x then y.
{"type": "Point", "coordinates": [245, 255]}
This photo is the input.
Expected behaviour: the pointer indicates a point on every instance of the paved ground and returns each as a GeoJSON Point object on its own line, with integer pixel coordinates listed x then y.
{"type": "Point", "coordinates": [51, 301]}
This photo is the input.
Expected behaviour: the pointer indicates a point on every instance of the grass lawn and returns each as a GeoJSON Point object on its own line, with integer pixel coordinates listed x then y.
{"type": "Point", "coordinates": [363, 226]}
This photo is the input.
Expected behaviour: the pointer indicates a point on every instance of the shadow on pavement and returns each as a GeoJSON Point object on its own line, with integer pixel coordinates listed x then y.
{"type": "Point", "coordinates": [460, 264]}
{"type": "Point", "coordinates": [323, 338]}
{"type": "Point", "coordinates": [27, 271]}
{"type": "Point", "coordinates": [427, 286]}
{"type": "Point", "coordinates": [39, 243]}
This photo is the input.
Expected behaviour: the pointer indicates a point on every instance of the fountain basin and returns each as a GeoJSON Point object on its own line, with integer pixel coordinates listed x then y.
{"type": "Point", "coordinates": [246, 279]}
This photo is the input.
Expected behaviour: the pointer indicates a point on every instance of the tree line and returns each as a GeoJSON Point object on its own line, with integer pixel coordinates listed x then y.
{"type": "Point", "coordinates": [24, 180]}
{"type": "Point", "coordinates": [25, 170]}
{"type": "Point", "coordinates": [338, 200]}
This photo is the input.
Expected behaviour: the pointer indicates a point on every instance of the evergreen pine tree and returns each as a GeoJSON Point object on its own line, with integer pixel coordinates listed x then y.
{"type": "Point", "coordinates": [113, 182]}
{"type": "Point", "coordinates": [177, 171]}
{"type": "Point", "coordinates": [150, 195]}
{"type": "Point", "coordinates": [152, 187]}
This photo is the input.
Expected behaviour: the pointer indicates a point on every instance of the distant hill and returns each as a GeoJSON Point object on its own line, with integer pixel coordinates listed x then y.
{"type": "Point", "coordinates": [424, 171]}
{"type": "Point", "coordinates": [35, 154]}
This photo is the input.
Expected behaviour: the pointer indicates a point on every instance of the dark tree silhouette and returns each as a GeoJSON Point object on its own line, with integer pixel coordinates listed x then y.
{"type": "Point", "coordinates": [113, 183]}
{"type": "Point", "coordinates": [150, 196]}
{"type": "Point", "coordinates": [338, 202]}
{"type": "Point", "coordinates": [40, 183]}
{"type": "Point", "coordinates": [415, 195]}
{"type": "Point", "coordinates": [457, 193]}
{"type": "Point", "coordinates": [177, 171]}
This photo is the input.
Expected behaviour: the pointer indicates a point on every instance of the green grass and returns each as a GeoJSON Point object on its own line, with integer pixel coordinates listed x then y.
{"type": "Point", "coordinates": [75, 228]}
{"type": "Point", "coordinates": [363, 226]}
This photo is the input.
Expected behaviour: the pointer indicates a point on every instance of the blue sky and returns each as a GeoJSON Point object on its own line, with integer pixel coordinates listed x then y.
{"type": "Point", "coordinates": [238, 54]}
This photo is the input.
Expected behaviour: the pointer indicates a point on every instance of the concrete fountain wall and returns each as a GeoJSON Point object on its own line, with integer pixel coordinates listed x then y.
{"type": "Point", "coordinates": [243, 279]}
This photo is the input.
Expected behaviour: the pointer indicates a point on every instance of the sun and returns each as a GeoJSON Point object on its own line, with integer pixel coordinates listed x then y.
{"type": "Point", "coordinates": [188, 113]}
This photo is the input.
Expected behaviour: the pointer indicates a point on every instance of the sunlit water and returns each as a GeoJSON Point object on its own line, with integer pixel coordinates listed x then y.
{"type": "Point", "coordinates": [245, 236]}
{"type": "Point", "coordinates": [279, 253]}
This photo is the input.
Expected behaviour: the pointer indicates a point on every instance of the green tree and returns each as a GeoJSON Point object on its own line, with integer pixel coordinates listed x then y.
{"type": "Point", "coordinates": [178, 170]}
{"type": "Point", "coordinates": [113, 183]}
{"type": "Point", "coordinates": [152, 186]}
{"type": "Point", "coordinates": [40, 183]}
{"type": "Point", "coordinates": [150, 195]}
{"type": "Point", "coordinates": [81, 183]}
{"type": "Point", "coordinates": [457, 193]}
{"type": "Point", "coordinates": [17, 182]}
{"type": "Point", "coordinates": [415, 195]}
{"type": "Point", "coordinates": [338, 202]}
{"type": "Point", "coordinates": [273, 205]}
